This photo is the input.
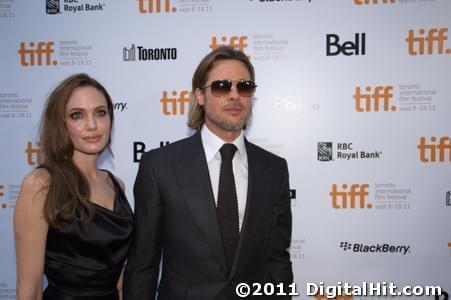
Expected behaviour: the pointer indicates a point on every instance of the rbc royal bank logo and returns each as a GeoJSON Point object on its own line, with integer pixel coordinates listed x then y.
{"type": "Point", "coordinates": [52, 7]}
{"type": "Point", "coordinates": [325, 151]}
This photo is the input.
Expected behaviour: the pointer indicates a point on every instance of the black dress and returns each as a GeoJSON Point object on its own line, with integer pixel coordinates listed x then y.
{"type": "Point", "coordinates": [85, 260]}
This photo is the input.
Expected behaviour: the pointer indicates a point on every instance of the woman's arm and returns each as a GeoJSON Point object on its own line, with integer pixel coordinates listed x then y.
{"type": "Point", "coordinates": [30, 232]}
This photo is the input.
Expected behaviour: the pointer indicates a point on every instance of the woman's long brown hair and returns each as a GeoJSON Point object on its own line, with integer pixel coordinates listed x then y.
{"type": "Point", "coordinates": [68, 191]}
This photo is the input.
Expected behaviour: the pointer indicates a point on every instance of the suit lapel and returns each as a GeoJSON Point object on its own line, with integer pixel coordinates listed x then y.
{"type": "Point", "coordinates": [194, 178]}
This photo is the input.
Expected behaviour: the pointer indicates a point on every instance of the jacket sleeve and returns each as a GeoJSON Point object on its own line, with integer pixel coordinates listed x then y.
{"type": "Point", "coordinates": [280, 237]}
{"type": "Point", "coordinates": [142, 269]}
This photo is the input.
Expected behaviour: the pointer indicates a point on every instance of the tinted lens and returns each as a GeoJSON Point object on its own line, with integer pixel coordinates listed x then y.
{"type": "Point", "coordinates": [221, 88]}
{"type": "Point", "coordinates": [246, 88]}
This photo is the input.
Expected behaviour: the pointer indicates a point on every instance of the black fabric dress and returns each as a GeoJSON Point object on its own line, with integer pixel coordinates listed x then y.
{"type": "Point", "coordinates": [85, 260]}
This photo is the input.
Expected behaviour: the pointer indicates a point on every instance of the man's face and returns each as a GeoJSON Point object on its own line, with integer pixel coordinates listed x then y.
{"type": "Point", "coordinates": [226, 116]}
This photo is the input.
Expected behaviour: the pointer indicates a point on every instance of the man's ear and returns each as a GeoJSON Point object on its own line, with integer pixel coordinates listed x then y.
{"type": "Point", "coordinates": [200, 96]}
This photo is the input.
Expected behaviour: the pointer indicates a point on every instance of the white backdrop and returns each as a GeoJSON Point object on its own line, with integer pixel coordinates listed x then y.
{"type": "Point", "coordinates": [355, 95]}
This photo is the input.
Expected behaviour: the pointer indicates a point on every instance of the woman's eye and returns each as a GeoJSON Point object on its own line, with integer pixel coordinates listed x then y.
{"type": "Point", "coordinates": [76, 115]}
{"type": "Point", "coordinates": [102, 113]}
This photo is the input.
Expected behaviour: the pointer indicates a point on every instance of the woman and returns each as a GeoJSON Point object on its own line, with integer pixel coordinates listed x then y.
{"type": "Point", "coordinates": [72, 221]}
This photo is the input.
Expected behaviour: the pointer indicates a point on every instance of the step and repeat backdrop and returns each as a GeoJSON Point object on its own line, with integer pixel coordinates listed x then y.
{"type": "Point", "coordinates": [355, 94]}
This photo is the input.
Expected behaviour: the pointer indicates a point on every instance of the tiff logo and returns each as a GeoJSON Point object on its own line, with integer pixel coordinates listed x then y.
{"type": "Point", "coordinates": [434, 40]}
{"type": "Point", "coordinates": [236, 42]}
{"type": "Point", "coordinates": [52, 7]}
{"type": "Point", "coordinates": [360, 2]}
{"type": "Point", "coordinates": [175, 105]}
{"type": "Point", "coordinates": [35, 53]}
{"type": "Point", "coordinates": [373, 99]}
{"type": "Point", "coordinates": [3, 205]}
{"type": "Point", "coordinates": [33, 154]}
{"type": "Point", "coordinates": [129, 54]}
{"type": "Point", "coordinates": [155, 6]}
{"type": "Point", "coordinates": [428, 152]}
{"type": "Point", "coordinates": [349, 197]}
{"type": "Point", "coordinates": [356, 47]}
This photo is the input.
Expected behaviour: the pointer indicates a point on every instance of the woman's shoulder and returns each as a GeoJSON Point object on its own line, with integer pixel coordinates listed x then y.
{"type": "Point", "coordinates": [33, 193]}
{"type": "Point", "coordinates": [37, 179]}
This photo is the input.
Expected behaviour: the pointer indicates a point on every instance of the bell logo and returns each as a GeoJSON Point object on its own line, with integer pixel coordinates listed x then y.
{"type": "Point", "coordinates": [35, 53]}
{"type": "Point", "coordinates": [433, 40]}
{"type": "Point", "coordinates": [360, 2]}
{"type": "Point", "coordinates": [236, 42]}
{"type": "Point", "coordinates": [155, 6]}
{"type": "Point", "coordinates": [356, 47]}
{"type": "Point", "coordinates": [139, 148]}
{"type": "Point", "coordinates": [428, 152]}
{"type": "Point", "coordinates": [373, 99]}
{"type": "Point", "coordinates": [348, 197]}
{"type": "Point", "coordinates": [176, 105]}
{"type": "Point", "coordinates": [33, 154]}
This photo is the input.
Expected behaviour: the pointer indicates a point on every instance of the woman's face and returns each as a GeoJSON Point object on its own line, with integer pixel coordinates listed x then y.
{"type": "Point", "coordinates": [88, 121]}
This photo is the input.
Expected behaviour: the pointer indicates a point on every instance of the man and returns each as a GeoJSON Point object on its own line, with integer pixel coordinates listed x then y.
{"type": "Point", "coordinates": [214, 223]}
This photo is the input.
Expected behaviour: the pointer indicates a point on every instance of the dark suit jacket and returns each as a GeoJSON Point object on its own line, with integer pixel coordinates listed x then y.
{"type": "Point", "coordinates": [175, 218]}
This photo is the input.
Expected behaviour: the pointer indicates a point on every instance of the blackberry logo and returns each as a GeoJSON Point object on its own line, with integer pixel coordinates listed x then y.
{"type": "Point", "coordinates": [346, 246]}
{"type": "Point", "coordinates": [324, 151]}
{"type": "Point", "coordinates": [376, 249]}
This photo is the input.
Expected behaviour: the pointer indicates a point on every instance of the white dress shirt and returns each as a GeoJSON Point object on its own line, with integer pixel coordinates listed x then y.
{"type": "Point", "coordinates": [212, 144]}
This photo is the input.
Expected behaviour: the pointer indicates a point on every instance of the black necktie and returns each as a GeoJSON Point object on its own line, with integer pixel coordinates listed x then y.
{"type": "Point", "coordinates": [227, 208]}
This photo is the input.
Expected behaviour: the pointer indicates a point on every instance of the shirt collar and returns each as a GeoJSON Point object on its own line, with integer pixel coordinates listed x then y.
{"type": "Point", "coordinates": [212, 143]}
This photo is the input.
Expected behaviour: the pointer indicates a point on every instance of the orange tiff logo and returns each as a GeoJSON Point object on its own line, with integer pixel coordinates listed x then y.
{"type": "Point", "coordinates": [178, 104]}
{"type": "Point", "coordinates": [39, 53]}
{"type": "Point", "coordinates": [155, 6]}
{"type": "Point", "coordinates": [427, 42]}
{"type": "Point", "coordinates": [360, 2]}
{"type": "Point", "coordinates": [236, 41]}
{"type": "Point", "coordinates": [374, 99]}
{"type": "Point", "coordinates": [350, 196]}
{"type": "Point", "coordinates": [33, 154]}
{"type": "Point", "coordinates": [428, 152]}
{"type": "Point", "coordinates": [1, 188]}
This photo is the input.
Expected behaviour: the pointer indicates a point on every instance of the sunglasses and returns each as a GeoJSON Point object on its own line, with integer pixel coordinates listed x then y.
{"type": "Point", "coordinates": [221, 88]}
